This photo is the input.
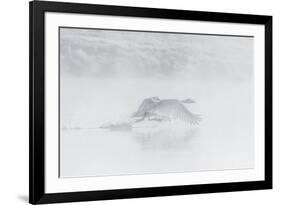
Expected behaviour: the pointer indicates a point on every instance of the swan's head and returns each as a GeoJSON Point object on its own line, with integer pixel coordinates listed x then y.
{"type": "Point", "coordinates": [188, 100]}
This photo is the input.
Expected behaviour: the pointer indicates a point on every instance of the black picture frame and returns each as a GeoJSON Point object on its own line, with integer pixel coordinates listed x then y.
{"type": "Point", "coordinates": [37, 9]}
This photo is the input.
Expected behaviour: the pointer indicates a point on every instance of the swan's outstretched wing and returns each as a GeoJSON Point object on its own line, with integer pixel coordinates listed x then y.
{"type": "Point", "coordinates": [175, 110]}
{"type": "Point", "coordinates": [146, 106]}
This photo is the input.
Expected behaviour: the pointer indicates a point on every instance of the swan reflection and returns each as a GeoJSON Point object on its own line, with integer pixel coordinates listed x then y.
{"type": "Point", "coordinates": [164, 137]}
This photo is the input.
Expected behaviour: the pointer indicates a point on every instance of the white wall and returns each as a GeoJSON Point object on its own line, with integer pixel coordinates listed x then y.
{"type": "Point", "coordinates": [14, 100]}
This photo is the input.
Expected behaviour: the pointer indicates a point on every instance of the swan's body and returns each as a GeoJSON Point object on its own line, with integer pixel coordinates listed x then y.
{"type": "Point", "coordinates": [165, 110]}
{"type": "Point", "coordinates": [146, 105]}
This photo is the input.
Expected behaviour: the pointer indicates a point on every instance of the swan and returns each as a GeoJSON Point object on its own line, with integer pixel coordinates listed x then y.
{"type": "Point", "coordinates": [154, 109]}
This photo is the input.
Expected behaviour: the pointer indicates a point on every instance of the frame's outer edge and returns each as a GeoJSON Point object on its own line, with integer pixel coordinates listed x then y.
{"type": "Point", "coordinates": [36, 103]}
{"type": "Point", "coordinates": [37, 193]}
{"type": "Point", "coordinates": [151, 192]}
{"type": "Point", "coordinates": [31, 118]}
{"type": "Point", "coordinates": [66, 7]}
{"type": "Point", "coordinates": [31, 187]}
{"type": "Point", "coordinates": [268, 102]}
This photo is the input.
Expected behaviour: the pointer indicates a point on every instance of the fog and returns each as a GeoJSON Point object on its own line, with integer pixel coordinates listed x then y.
{"type": "Point", "coordinates": [105, 75]}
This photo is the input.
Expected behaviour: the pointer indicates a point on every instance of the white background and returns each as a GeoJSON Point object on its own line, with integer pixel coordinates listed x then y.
{"type": "Point", "coordinates": [14, 100]}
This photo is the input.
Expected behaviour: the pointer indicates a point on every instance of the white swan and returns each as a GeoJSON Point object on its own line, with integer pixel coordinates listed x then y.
{"type": "Point", "coordinates": [155, 109]}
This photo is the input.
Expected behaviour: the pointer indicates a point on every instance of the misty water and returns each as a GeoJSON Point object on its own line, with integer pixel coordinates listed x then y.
{"type": "Point", "coordinates": [223, 140]}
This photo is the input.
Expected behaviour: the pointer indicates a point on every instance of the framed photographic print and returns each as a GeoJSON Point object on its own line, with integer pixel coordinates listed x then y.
{"type": "Point", "coordinates": [140, 102]}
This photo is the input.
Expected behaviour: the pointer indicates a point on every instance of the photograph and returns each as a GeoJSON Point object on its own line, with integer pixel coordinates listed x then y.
{"type": "Point", "coordinates": [134, 102]}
